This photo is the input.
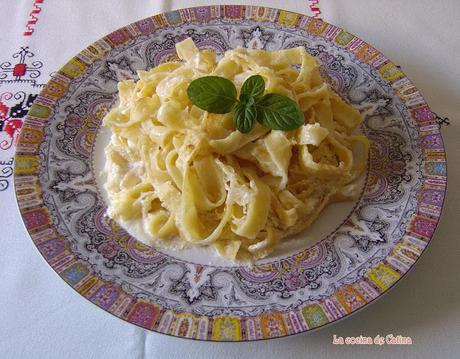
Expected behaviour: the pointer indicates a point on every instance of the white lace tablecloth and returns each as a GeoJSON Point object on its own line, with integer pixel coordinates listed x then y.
{"type": "Point", "coordinates": [42, 317]}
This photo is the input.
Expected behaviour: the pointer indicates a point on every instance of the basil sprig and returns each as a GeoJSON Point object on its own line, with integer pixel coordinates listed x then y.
{"type": "Point", "coordinates": [218, 95]}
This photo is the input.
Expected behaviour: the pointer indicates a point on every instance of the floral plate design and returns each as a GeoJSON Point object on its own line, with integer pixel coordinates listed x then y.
{"type": "Point", "coordinates": [382, 237]}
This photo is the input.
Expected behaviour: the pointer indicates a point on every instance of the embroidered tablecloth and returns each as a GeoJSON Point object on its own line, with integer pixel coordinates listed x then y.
{"type": "Point", "coordinates": [41, 317]}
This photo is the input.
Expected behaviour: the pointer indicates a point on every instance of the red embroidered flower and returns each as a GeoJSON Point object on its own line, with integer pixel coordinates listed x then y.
{"type": "Point", "coordinates": [19, 70]}
{"type": "Point", "coordinates": [11, 126]}
{"type": "Point", "coordinates": [3, 111]}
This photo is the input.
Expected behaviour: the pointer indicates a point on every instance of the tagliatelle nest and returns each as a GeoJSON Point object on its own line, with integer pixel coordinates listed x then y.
{"type": "Point", "coordinates": [187, 175]}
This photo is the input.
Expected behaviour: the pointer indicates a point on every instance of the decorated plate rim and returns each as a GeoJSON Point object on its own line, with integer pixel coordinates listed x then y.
{"type": "Point", "coordinates": [27, 165]}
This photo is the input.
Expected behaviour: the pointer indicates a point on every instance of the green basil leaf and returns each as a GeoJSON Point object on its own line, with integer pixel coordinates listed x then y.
{"type": "Point", "coordinates": [279, 112]}
{"type": "Point", "coordinates": [254, 86]}
{"type": "Point", "coordinates": [213, 94]}
{"type": "Point", "coordinates": [244, 117]}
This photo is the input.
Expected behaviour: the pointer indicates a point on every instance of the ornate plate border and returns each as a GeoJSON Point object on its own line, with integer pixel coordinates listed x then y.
{"type": "Point", "coordinates": [80, 276]}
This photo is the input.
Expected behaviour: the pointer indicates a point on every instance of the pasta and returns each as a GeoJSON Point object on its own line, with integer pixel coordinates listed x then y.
{"type": "Point", "coordinates": [187, 175]}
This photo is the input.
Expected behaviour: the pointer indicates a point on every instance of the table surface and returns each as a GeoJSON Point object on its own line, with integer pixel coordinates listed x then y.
{"type": "Point", "coordinates": [42, 317]}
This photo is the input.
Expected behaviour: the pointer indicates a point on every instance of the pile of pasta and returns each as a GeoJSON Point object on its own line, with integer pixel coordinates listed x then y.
{"type": "Point", "coordinates": [188, 175]}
